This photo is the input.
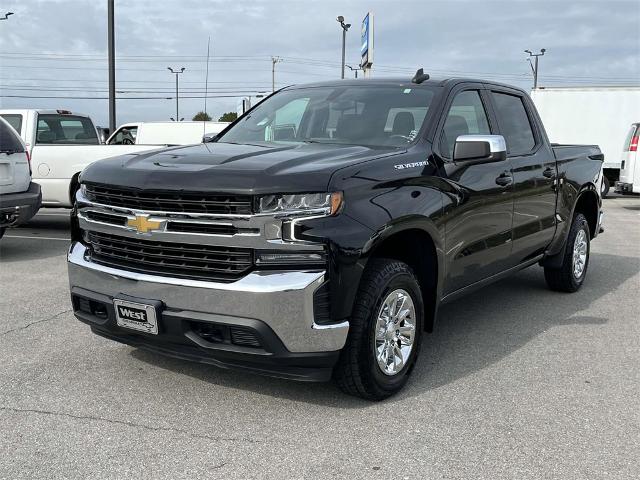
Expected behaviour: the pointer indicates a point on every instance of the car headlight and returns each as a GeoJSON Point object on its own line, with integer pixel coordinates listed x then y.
{"type": "Point", "coordinates": [322, 203]}
{"type": "Point", "coordinates": [83, 189]}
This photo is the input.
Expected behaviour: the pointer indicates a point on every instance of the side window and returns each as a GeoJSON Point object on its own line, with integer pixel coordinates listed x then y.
{"type": "Point", "coordinates": [9, 141]}
{"type": "Point", "coordinates": [514, 123]}
{"type": "Point", "coordinates": [466, 116]}
{"type": "Point", "coordinates": [124, 136]}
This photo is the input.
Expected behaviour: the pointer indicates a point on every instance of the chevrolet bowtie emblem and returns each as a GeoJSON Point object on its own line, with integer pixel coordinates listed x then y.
{"type": "Point", "coordinates": [142, 224]}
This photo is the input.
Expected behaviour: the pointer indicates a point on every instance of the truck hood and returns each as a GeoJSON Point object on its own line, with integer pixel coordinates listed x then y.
{"type": "Point", "coordinates": [233, 168]}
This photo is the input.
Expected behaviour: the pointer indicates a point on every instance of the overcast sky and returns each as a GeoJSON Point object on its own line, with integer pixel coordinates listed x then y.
{"type": "Point", "coordinates": [58, 48]}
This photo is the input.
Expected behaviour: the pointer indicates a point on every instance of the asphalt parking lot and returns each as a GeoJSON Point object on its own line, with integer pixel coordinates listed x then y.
{"type": "Point", "coordinates": [516, 382]}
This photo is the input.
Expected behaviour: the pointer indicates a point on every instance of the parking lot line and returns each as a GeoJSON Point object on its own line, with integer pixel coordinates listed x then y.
{"type": "Point", "coordinates": [38, 238]}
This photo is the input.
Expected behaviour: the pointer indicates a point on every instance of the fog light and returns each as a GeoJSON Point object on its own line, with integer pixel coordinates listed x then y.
{"type": "Point", "coordinates": [286, 258]}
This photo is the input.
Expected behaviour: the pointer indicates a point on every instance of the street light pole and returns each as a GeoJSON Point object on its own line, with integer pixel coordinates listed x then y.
{"type": "Point", "coordinates": [354, 70]}
{"type": "Point", "coordinates": [176, 72]}
{"type": "Point", "coordinates": [111, 46]}
{"type": "Point", "coordinates": [274, 60]}
{"type": "Point", "coordinates": [345, 27]}
{"type": "Point", "coordinates": [534, 65]}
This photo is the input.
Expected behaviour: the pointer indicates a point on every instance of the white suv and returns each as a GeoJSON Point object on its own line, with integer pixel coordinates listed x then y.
{"type": "Point", "coordinates": [20, 198]}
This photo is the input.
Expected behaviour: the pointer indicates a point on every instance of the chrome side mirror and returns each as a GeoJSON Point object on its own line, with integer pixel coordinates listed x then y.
{"type": "Point", "coordinates": [480, 148]}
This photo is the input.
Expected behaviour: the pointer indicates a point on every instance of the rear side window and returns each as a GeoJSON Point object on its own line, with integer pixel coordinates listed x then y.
{"type": "Point", "coordinates": [65, 130]}
{"type": "Point", "coordinates": [514, 123]}
{"type": "Point", "coordinates": [466, 116]}
{"type": "Point", "coordinates": [15, 120]}
{"type": "Point", "coordinates": [9, 141]}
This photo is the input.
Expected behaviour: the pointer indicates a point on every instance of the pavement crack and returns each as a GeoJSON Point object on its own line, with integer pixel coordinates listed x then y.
{"type": "Point", "coordinates": [24, 327]}
{"type": "Point", "coordinates": [128, 423]}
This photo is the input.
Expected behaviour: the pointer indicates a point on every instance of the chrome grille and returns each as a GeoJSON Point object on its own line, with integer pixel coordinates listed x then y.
{"type": "Point", "coordinates": [207, 262]}
{"type": "Point", "coordinates": [182, 202]}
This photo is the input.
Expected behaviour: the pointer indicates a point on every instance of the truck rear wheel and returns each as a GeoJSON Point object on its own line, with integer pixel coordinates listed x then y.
{"type": "Point", "coordinates": [385, 332]}
{"type": "Point", "coordinates": [570, 276]}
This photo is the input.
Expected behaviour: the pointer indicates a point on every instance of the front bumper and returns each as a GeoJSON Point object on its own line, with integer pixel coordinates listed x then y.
{"type": "Point", "coordinates": [276, 307]}
{"type": "Point", "coordinates": [18, 208]}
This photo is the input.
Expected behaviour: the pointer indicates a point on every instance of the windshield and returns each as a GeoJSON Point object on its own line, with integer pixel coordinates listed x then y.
{"type": "Point", "coordinates": [373, 115]}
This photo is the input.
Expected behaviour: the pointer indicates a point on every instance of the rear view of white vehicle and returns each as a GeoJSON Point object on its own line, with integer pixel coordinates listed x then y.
{"type": "Point", "coordinates": [19, 198]}
{"type": "Point", "coordinates": [629, 168]}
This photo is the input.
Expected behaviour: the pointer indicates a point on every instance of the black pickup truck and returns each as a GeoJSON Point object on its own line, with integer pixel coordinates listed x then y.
{"type": "Point", "coordinates": [316, 236]}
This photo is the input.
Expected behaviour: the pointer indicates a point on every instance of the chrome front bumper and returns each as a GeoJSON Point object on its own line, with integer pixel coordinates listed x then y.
{"type": "Point", "coordinates": [283, 300]}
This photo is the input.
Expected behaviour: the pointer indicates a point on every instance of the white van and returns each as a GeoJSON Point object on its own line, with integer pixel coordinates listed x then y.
{"type": "Point", "coordinates": [629, 167]}
{"type": "Point", "coordinates": [164, 133]}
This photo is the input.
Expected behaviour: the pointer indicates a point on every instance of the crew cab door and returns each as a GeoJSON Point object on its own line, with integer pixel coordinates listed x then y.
{"type": "Point", "coordinates": [479, 212]}
{"type": "Point", "coordinates": [534, 173]}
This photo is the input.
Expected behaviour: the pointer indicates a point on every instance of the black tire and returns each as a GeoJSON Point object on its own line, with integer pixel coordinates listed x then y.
{"type": "Point", "coordinates": [563, 279]}
{"type": "Point", "coordinates": [2, 232]}
{"type": "Point", "coordinates": [606, 186]}
{"type": "Point", "coordinates": [357, 372]}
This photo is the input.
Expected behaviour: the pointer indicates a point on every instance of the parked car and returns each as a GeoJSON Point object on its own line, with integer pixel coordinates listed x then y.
{"type": "Point", "coordinates": [319, 234]}
{"type": "Point", "coordinates": [164, 133]}
{"type": "Point", "coordinates": [61, 143]}
{"type": "Point", "coordinates": [19, 197]}
{"type": "Point", "coordinates": [629, 168]}
{"type": "Point", "coordinates": [595, 114]}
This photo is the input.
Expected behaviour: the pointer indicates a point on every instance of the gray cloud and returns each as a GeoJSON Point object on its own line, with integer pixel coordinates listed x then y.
{"type": "Point", "coordinates": [587, 43]}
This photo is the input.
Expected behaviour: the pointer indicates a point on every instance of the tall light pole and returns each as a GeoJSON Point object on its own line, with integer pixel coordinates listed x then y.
{"type": "Point", "coordinates": [111, 46]}
{"type": "Point", "coordinates": [274, 60]}
{"type": "Point", "coordinates": [176, 72]}
{"type": "Point", "coordinates": [345, 27]}
{"type": "Point", "coordinates": [6, 16]}
{"type": "Point", "coordinates": [534, 64]}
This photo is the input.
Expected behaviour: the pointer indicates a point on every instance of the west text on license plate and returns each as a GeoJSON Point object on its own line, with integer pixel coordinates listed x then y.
{"type": "Point", "coordinates": [136, 316]}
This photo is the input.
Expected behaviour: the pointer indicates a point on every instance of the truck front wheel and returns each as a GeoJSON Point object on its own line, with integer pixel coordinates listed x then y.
{"type": "Point", "coordinates": [385, 332]}
{"type": "Point", "coordinates": [569, 277]}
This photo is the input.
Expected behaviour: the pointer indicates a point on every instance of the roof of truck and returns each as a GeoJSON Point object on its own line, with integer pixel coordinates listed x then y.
{"type": "Point", "coordinates": [43, 111]}
{"type": "Point", "coordinates": [403, 81]}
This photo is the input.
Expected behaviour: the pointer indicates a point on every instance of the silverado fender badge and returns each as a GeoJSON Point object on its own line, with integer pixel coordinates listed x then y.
{"type": "Point", "coordinates": [402, 166]}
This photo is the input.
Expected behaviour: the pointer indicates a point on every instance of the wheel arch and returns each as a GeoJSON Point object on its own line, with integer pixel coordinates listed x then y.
{"type": "Point", "coordinates": [74, 184]}
{"type": "Point", "coordinates": [415, 241]}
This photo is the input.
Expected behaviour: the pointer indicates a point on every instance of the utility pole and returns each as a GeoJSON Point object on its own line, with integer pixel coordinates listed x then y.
{"type": "Point", "coordinates": [274, 60]}
{"type": "Point", "coordinates": [111, 41]}
{"type": "Point", "coordinates": [534, 65]}
{"type": "Point", "coordinates": [176, 72]}
{"type": "Point", "coordinates": [345, 27]}
{"type": "Point", "coordinates": [206, 78]}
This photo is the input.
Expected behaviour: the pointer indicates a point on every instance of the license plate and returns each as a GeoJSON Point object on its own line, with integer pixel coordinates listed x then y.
{"type": "Point", "coordinates": [136, 316]}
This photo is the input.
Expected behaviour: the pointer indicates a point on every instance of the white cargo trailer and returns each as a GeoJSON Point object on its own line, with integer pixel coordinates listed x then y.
{"type": "Point", "coordinates": [600, 115]}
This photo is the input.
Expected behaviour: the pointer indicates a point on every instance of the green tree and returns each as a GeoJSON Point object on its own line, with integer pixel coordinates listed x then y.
{"type": "Point", "coordinates": [228, 117]}
{"type": "Point", "coordinates": [201, 117]}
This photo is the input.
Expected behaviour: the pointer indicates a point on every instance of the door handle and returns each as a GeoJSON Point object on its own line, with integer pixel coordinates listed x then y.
{"type": "Point", "coordinates": [504, 179]}
{"type": "Point", "coordinates": [549, 172]}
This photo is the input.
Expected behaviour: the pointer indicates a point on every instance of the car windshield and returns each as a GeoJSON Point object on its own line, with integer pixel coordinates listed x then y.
{"type": "Point", "coordinates": [372, 115]}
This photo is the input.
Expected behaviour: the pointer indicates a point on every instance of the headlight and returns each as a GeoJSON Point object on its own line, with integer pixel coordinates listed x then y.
{"type": "Point", "coordinates": [83, 189]}
{"type": "Point", "coordinates": [324, 203]}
